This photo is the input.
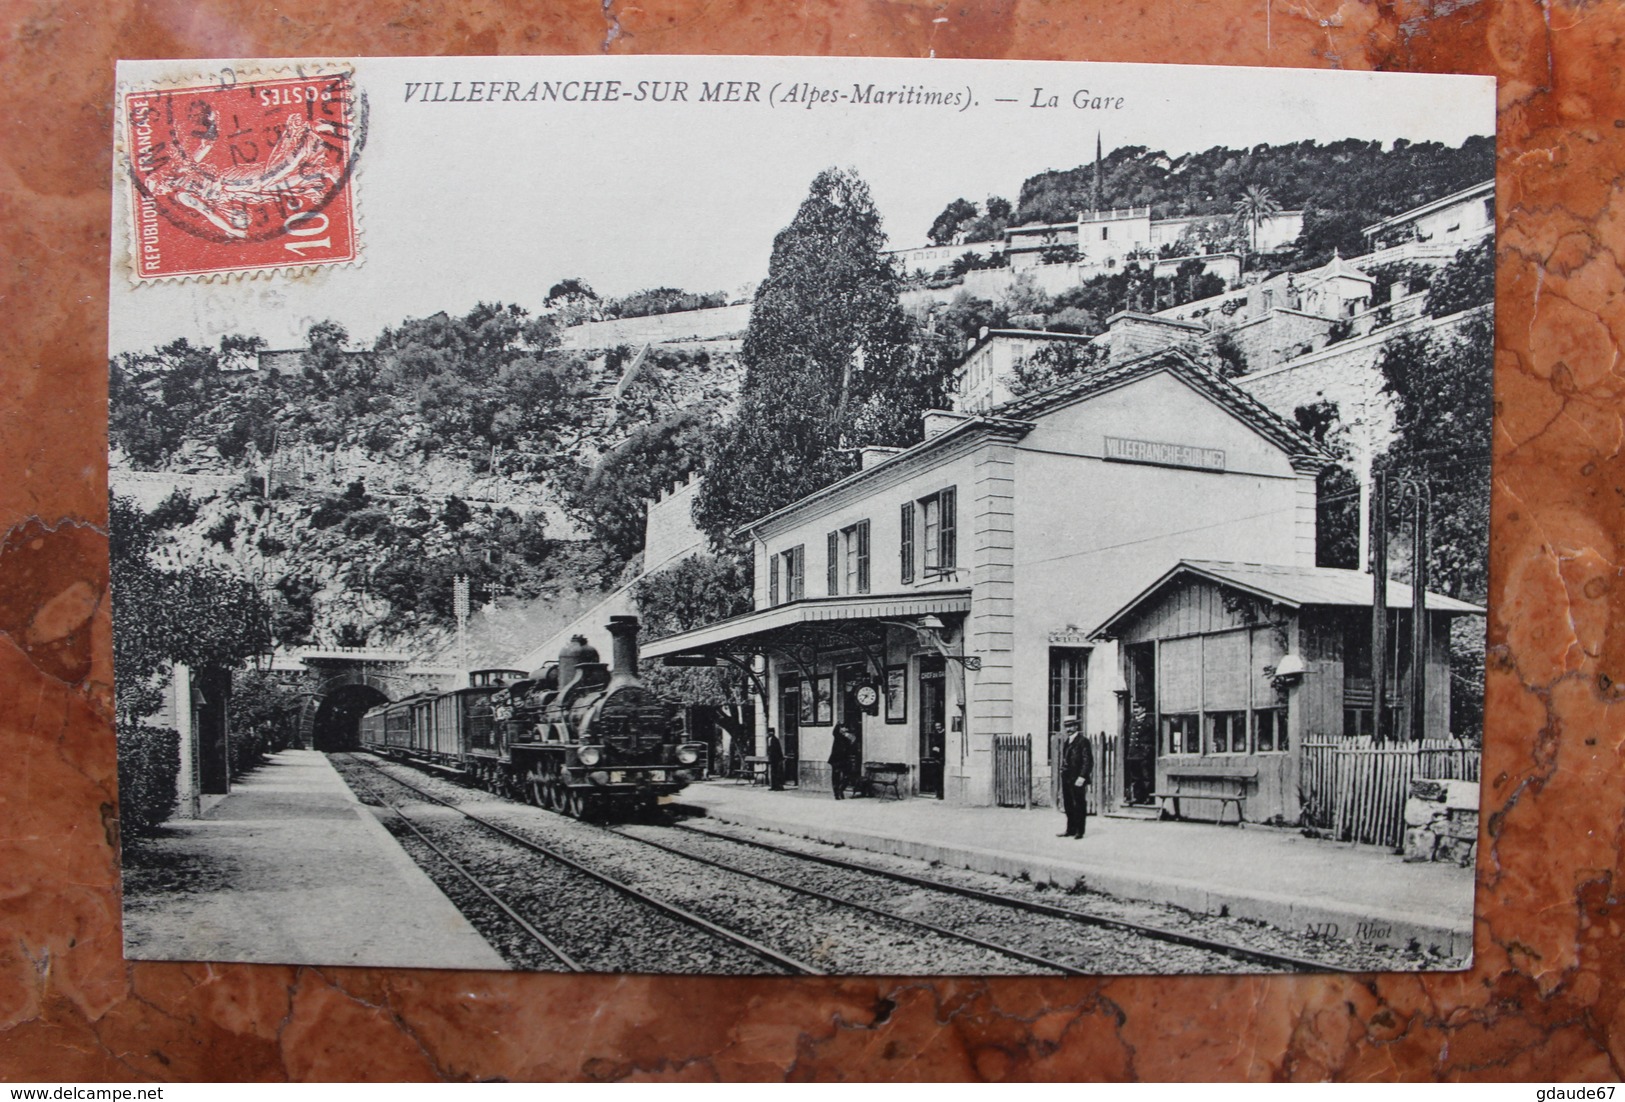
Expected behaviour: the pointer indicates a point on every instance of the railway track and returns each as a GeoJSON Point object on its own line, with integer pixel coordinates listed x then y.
{"type": "Point", "coordinates": [569, 959]}
{"type": "Point", "coordinates": [1060, 940]}
{"type": "Point", "coordinates": [1260, 958]}
{"type": "Point", "coordinates": [1046, 963]}
{"type": "Point", "coordinates": [1027, 961]}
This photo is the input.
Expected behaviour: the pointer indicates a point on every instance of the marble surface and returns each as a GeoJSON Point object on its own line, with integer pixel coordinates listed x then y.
{"type": "Point", "coordinates": [1546, 998]}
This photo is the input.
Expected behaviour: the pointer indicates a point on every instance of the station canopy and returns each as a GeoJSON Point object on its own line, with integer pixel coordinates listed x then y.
{"type": "Point", "coordinates": [800, 630]}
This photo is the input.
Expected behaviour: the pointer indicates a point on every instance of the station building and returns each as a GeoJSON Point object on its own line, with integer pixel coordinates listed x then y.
{"type": "Point", "coordinates": [946, 596]}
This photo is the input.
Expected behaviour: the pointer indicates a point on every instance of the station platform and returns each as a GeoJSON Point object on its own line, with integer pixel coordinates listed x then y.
{"type": "Point", "coordinates": [1269, 874]}
{"type": "Point", "coordinates": [291, 868]}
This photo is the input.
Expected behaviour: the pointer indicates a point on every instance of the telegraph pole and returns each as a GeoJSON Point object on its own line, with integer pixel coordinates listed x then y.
{"type": "Point", "coordinates": [459, 604]}
{"type": "Point", "coordinates": [1419, 614]}
{"type": "Point", "coordinates": [1379, 603]}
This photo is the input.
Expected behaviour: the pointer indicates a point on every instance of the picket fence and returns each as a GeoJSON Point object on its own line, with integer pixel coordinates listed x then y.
{"type": "Point", "coordinates": [1013, 770]}
{"type": "Point", "coordinates": [1357, 790]}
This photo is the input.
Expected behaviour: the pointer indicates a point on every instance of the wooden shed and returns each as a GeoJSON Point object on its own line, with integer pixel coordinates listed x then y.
{"type": "Point", "coordinates": [1229, 668]}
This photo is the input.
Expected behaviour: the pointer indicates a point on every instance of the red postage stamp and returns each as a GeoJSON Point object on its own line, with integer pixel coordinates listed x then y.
{"type": "Point", "coordinates": [243, 175]}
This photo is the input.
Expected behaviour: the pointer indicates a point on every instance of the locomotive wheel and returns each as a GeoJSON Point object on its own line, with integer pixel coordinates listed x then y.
{"type": "Point", "coordinates": [575, 804]}
{"type": "Point", "coordinates": [534, 793]}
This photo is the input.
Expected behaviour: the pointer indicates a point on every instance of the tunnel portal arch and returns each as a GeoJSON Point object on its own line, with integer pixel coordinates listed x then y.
{"type": "Point", "coordinates": [337, 722]}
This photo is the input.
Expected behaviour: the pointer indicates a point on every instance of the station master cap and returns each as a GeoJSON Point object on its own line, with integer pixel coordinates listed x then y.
{"type": "Point", "coordinates": [1072, 721]}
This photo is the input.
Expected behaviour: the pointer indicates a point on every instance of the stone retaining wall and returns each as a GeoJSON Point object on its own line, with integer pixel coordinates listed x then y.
{"type": "Point", "coordinates": [1441, 822]}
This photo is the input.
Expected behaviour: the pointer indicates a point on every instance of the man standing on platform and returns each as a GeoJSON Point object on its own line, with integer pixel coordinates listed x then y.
{"type": "Point", "coordinates": [1077, 767]}
{"type": "Point", "coordinates": [775, 761]}
{"type": "Point", "coordinates": [840, 757]}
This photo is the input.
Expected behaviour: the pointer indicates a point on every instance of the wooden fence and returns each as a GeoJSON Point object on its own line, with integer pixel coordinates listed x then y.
{"type": "Point", "coordinates": [1013, 770]}
{"type": "Point", "coordinates": [1358, 790]}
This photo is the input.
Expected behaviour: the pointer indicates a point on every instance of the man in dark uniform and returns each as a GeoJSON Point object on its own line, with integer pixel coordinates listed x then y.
{"type": "Point", "coordinates": [775, 761]}
{"type": "Point", "coordinates": [840, 755]}
{"type": "Point", "coordinates": [1077, 767]}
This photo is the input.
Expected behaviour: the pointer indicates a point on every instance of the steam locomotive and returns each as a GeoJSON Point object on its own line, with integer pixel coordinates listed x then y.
{"type": "Point", "coordinates": [576, 736]}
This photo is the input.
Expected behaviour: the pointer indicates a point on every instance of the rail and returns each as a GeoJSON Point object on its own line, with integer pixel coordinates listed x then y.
{"type": "Point", "coordinates": [827, 897]}
{"type": "Point", "coordinates": [518, 919]}
{"type": "Point", "coordinates": [1275, 961]}
{"type": "Point", "coordinates": [680, 913]}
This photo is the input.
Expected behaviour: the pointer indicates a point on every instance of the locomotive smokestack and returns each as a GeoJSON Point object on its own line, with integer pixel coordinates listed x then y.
{"type": "Point", "coordinates": [624, 653]}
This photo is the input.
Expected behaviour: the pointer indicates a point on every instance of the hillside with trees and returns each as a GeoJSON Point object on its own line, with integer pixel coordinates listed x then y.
{"type": "Point", "coordinates": [1340, 186]}
{"type": "Point", "coordinates": [351, 489]}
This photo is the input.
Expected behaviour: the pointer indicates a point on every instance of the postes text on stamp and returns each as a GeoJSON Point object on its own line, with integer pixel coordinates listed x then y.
{"type": "Point", "coordinates": [243, 175]}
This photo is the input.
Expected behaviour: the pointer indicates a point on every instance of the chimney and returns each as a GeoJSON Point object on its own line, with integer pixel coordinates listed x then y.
{"type": "Point", "coordinates": [624, 650]}
{"type": "Point", "coordinates": [872, 455]}
{"type": "Point", "coordinates": [938, 421]}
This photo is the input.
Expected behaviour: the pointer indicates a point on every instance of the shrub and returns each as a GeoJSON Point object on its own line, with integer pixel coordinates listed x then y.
{"type": "Point", "coordinates": [247, 748]}
{"type": "Point", "coordinates": [367, 522]}
{"type": "Point", "coordinates": [149, 760]}
{"type": "Point", "coordinates": [175, 511]}
{"type": "Point", "coordinates": [223, 532]}
{"type": "Point", "coordinates": [1467, 281]}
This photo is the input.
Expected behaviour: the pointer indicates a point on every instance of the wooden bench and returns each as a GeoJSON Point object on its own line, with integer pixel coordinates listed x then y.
{"type": "Point", "coordinates": [1179, 779]}
{"type": "Point", "coordinates": [884, 774]}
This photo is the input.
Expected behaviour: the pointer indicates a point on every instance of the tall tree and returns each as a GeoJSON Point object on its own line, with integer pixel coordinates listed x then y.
{"type": "Point", "coordinates": [1443, 404]}
{"type": "Point", "coordinates": [203, 616]}
{"type": "Point", "coordinates": [1255, 206]}
{"type": "Point", "coordinates": [831, 362]}
{"type": "Point", "coordinates": [955, 215]}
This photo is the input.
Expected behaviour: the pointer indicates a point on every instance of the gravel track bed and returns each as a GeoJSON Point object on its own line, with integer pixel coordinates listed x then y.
{"type": "Point", "coordinates": [1337, 955]}
{"type": "Point", "coordinates": [827, 935]}
{"type": "Point", "coordinates": [1240, 932]}
{"type": "Point", "coordinates": [601, 928]}
{"type": "Point", "coordinates": [1090, 948]}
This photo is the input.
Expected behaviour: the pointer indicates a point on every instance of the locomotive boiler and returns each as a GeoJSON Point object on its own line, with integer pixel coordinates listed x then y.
{"type": "Point", "coordinates": [583, 737]}
{"type": "Point", "coordinates": [576, 736]}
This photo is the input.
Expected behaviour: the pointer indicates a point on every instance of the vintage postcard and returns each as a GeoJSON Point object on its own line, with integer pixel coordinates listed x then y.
{"type": "Point", "coordinates": [798, 515]}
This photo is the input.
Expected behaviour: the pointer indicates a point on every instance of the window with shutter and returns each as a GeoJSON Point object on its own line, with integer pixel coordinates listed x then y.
{"type": "Point", "coordinates": [905, 549]}
{"type": "Point", "coordinates": [931, 534]}
{"type": "Point", "coordinates": [833, 569]}
{"type": "Point", "coordinates": [795, 573]}
{"type": "Point", "coordinates": [772, 579]}
{"type": "Point", "coordinates": [863, 556]}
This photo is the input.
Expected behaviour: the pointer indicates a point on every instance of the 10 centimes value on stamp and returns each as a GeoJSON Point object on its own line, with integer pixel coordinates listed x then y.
{"type": "Point", "coordinates": [242, 174]}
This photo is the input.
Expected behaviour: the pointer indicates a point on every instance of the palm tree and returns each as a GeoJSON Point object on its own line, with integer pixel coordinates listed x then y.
{"type": "Point", "coordinates": [1255, 205]}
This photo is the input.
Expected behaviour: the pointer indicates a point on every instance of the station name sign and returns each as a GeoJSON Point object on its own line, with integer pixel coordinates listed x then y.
{"type": "Point", "coordinates": [1122, 449]}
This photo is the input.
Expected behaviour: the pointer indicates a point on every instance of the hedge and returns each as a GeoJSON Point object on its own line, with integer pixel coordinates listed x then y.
{"type": "Point", "coordinates": [149, 762]}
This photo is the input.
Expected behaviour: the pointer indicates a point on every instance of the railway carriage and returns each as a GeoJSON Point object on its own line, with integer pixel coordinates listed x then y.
{"type": "Point", "coordinates": [577, 736]}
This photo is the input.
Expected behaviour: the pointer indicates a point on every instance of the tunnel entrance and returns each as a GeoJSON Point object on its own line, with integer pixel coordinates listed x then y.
{"type": "Point", "coordinates": [338, 717]}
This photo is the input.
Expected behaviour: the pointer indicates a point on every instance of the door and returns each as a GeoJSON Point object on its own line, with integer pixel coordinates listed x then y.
{"type": "Point", "coordinates": [1140, 723]}
{"type": "Point", "coordinates": [933, 725]}
{"type": "Point", "coordinates": [790, 732]}
{"type": "Point", "coordinates": [849, 712]}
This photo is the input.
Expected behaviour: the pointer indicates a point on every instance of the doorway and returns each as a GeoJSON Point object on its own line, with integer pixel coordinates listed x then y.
{"type": "Point", "coordinates": [933, 725]}
{"type": "Point", "coordinates": [850, 713]}
{"type": "Point", "coordinates": [790, 732]}
{"type": "Point", "coordinates": [1139, 723]}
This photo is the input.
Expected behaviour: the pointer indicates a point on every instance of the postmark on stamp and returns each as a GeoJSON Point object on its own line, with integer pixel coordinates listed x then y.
{"type": "Point", "coordinates": [242, 175]}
